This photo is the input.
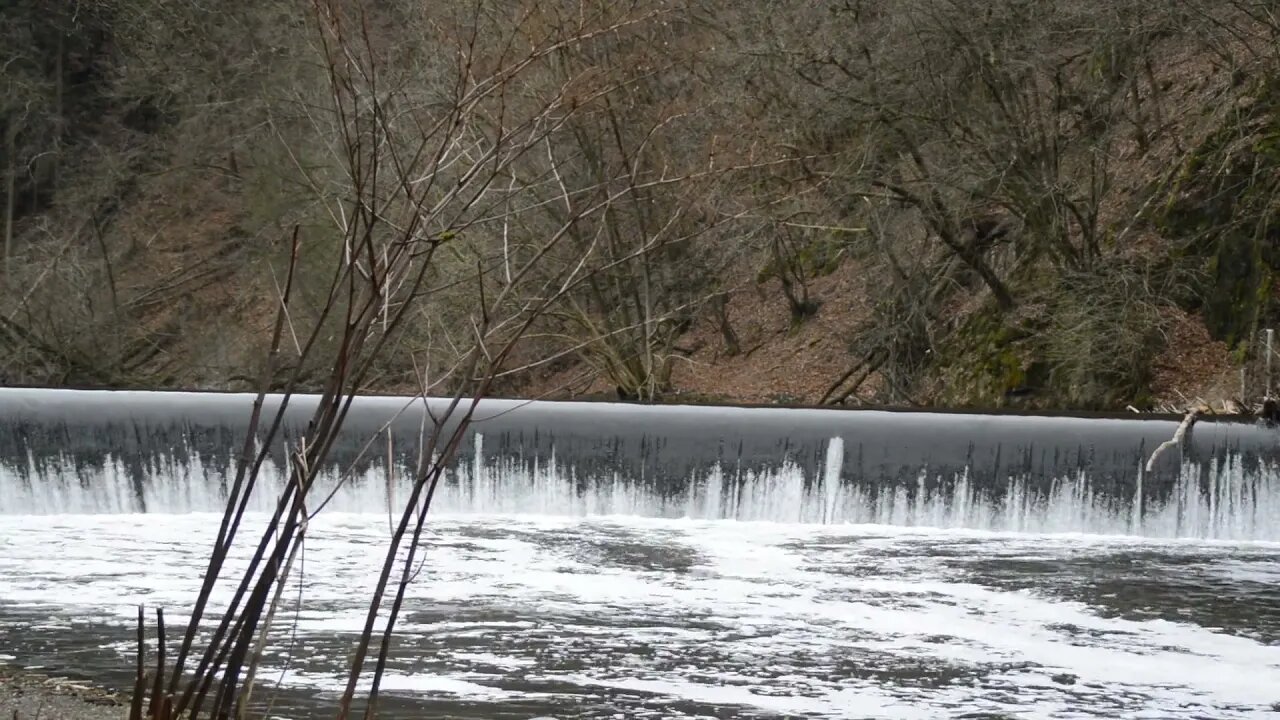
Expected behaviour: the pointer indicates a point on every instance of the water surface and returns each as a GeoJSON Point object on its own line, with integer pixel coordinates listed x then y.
{"type": "Point", "coordinates": [517, 616]}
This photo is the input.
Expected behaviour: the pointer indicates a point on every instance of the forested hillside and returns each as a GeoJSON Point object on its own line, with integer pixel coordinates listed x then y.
{"type": "Point", "coordinates": [921, 202]}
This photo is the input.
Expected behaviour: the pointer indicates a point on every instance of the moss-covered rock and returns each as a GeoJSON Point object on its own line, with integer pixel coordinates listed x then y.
{"type": "Point", "coordinates": [988, 357]}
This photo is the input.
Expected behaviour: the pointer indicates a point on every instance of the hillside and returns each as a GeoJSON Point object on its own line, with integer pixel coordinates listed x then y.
{"type": "Point", "coordinates": [1065, 205]}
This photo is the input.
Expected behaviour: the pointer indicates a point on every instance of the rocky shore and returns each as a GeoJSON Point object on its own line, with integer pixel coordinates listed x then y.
{"type": "Point", "coordinates": [32, 695]}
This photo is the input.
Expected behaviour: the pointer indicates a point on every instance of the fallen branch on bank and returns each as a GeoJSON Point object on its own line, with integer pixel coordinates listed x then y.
{"type": "Point", "coordinates": [1178, 436]}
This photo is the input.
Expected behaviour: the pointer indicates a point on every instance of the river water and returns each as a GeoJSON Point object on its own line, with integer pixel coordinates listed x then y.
{"type": "Point", "coordinates": [575, 592]}
{"type": "Point", "coordinates": [517, 616]}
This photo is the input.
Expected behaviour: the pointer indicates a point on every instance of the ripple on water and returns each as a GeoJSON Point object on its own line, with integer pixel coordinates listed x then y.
{"type": "Point", "coordinates": [518, 616]}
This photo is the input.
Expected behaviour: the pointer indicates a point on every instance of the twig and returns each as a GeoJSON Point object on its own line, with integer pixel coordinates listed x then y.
{"type": "Point", "coordinates": [157, 707]}
{"type": "Point", "coordinates": [140, 682]}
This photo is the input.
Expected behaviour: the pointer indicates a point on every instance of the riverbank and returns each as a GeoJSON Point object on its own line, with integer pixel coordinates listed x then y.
{"type": "Point", "coordinates": [32, 695]}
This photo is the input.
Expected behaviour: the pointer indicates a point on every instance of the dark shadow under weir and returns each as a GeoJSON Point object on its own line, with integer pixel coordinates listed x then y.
{"type": "Point", "coordinates": [123, 451]}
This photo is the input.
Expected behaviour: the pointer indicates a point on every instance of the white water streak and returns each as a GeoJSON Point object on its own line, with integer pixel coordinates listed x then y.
{"type": "Point", "coordinates": [1222, 503]}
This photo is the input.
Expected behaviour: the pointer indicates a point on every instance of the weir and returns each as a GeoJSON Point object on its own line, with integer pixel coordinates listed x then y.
{"type": "Point", "coordinates": [73, 451]}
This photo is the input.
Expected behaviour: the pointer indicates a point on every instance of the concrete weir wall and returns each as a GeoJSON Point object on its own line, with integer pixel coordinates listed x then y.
{"type": "Point", "coordinates": [655, 441]}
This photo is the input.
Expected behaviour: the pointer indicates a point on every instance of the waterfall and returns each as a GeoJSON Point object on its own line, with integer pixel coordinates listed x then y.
{"type": "Point", "coordinates": [1219, 499]}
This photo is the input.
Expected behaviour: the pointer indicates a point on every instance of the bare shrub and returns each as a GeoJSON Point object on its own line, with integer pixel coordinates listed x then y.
{"type": "Point", "coordinates": [1103, 329]}
{"type": "Point", "coordinates": [426, 165]}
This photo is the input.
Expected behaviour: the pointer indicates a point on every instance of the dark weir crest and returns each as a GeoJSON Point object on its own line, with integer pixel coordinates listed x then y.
{"type": "Point", "coordinates": [81, 448]}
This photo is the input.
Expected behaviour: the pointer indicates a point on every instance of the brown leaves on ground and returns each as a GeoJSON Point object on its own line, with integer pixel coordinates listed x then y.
{"type": "Point", "coordinates": [1193, 366]}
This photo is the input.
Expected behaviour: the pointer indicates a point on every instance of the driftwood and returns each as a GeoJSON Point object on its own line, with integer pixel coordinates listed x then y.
{"type": "Point", "coordinates": [1178, 436]}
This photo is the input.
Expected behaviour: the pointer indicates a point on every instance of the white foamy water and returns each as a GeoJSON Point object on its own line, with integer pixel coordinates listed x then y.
{"type": "Point", "coordinates": [522, 616]}
{"type": "Point", "coordinates": [1221, 501]}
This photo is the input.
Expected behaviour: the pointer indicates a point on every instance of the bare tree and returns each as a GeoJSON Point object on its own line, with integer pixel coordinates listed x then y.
{"type": "Point", "coordinates": [654, 257]}
{"type": "Point", "coordinates": [425, 167]}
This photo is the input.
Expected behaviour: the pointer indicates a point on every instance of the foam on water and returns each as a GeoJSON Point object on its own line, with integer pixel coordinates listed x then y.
{"type": "Point", "coordinates": [674, 618]}
{"type": "Point", "coordinates": [1218, 500]}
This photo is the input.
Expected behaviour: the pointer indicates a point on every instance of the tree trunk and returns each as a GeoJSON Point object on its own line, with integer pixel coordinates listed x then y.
{"type": "Point", "coordinates": [720, 305]}
{"type": "Point", "coordinates": [58, 121]}
{"type": "Point", "coordinates": [11, 189]}
{"type": "Point", "coordinates": [939, 218]}
{"type": "Point", "coordinates": [790, 275]}
{"type": "Point", "coordinates": [974, 259]}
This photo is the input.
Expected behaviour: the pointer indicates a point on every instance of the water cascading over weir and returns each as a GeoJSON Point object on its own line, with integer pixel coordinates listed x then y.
{"type": "Point", "coordinates": [82, 451]}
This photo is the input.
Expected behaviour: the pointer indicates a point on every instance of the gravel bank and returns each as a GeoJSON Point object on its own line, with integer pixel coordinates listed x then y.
{"type": "Point", "coordinates": [29, 695]}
